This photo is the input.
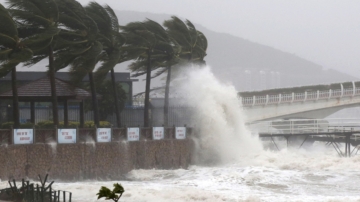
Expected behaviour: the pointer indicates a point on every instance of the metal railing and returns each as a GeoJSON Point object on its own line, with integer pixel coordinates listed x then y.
{"type": "Point", "coordinates": [298, 126]}
{"type": "Point", "coordinates": [300, 97]}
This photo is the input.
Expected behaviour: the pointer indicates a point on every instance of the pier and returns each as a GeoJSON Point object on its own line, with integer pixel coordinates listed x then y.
{"type": "Point", "coordinates": [296, 132]}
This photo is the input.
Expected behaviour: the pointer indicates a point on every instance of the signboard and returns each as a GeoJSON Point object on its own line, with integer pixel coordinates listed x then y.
{"type": "Point", "coordinates": [66, 136]}
{"type": "Point", "coordinates": [158, 133]}
{"type": "Point", "coordinates": [133, 134]}
{"type": "Point", "coordinates": [180, 132]}
{"type": "Point", "coordinates": [103, 135]}
{"type": "Point", "coordinates": [23, 136]}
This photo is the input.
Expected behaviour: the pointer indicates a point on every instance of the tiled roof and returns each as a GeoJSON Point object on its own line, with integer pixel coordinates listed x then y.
{"type": "Point", "coordinates": [42, 88]}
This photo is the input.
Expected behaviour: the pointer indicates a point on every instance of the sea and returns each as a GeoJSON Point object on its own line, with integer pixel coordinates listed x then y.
{"type": "Point", "coordinates": [231, 163]}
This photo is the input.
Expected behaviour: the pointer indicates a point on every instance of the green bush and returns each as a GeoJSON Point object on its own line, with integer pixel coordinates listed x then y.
{"type": "Point", "coordinates": [8, 125]}
{"type": "Point", "coordinates": [71, 124]}
{"type": "Point", "coordinates": [50, 124]}
{"type": "Point", "coordinates": [102, 124]}
{"type": "Point", "coordinates": [26, 125]}
{"type": "Point", "coordinates": [45, 124]}
{"type": "Point", "coordinates": [105, 124]}
{"type": "Point", "coordinates": [114, 194]}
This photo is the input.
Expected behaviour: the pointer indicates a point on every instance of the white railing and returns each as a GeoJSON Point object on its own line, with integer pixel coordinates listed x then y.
{"type": "Point", "coordinates": [300, 97]}
{"type": "Point", "coordinates": [297, 126]}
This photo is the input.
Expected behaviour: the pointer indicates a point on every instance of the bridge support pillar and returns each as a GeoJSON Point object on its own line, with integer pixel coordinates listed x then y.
{"type": "Point", "coordinates": [347, 145]}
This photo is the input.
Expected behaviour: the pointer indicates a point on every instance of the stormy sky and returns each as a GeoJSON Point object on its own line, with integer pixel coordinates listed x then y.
{"type": "Point", "coordinates": [326, 32]}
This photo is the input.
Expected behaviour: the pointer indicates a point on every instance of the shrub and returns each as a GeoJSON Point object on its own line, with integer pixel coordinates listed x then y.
{"type": "Point", "coordinates": [50, 124]}
{"type": "Point", "coordinates": [102, 124]}
{"type": "Point", "coordinates": [45, 124]}
{"type": "Point", "coordinates": [7, 125]}
{"type": "Point", "coordinates": [26, 125]}
{"type": "Point", "coordinates": [71, 124]}
{"type": "Point", "coordinates": [114, 195]}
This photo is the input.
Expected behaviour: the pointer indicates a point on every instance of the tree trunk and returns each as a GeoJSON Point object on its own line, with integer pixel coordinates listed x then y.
{"type": "Point", "coordinates": [53, 87]}
{"type": "Point", "coordinates": [147, 91]}
{"type": "Point", "coordinates": [166, 104]}
{"type": "Point", "coordinates": [16, 114]}
{"type": "Point", "coordinates": [117, 111]}
{"type": "Point", "coordinates": [94, 100]}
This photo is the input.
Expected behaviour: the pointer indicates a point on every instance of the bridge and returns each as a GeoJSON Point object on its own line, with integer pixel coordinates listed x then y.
{"type": "Point", "coordinates": [309, 102]}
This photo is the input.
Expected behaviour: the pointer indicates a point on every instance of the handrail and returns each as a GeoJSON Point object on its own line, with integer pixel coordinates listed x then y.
{"type": "Point", "coordinates": [301, 97]}
{"type": "Point", "coordinates": [297, 126]}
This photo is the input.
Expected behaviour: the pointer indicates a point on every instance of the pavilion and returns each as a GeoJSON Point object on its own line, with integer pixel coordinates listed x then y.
{"type": "Point", "coordinates": [40, 91]}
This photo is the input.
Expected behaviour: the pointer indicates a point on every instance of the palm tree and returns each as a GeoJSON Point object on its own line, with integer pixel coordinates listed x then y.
{"type": "Point", "coordinates": [149, 41]}
{"type": "Point", "coordinates": [107, 23]}
{"type": "Point", "coordinates": [193, 45]}
{"type": "Point", "coordinates": [39, 18]}
{"type": "Point", "coordinates": [13, 51]}
{"type": "Point", "coordinates": [193, 42]}
{"type": "Point", "coordinates": [78, 46]}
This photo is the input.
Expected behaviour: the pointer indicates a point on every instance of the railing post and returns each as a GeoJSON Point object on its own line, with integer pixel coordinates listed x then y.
{"type": "Point", "coordinates": [292, 97]}
{"type": "Point", "coordinates": [317, 95]}
{"type": "Point", "coordinates": [354, 88]}
{"type": "Point", "coordinates": [254, 100]}
{"type": "Point", "coordinates": [342, 90]}
{"type": "Point", "coordinates": [305, 96]}
{"type": "Point", "coordinates": [330, 92]}
{"type": "Point", "coordinates": [267, 99]}
{"type": "Point", "coordinates": [279, 99]}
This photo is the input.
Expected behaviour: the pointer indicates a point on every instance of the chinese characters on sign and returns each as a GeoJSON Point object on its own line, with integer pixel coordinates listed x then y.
{"type": "Point", "coordinates": [180, 132]}
{"type": "Point", "coordinates": [23, 136]}
{"type": "Point", "coordinates": [66, 136]}
{"type": "Point", "coordinates": [103, 135]}
{"type": "Point", "coordinates": [158, 133]}
{"type": "Point", "coordinates": [133, 134]}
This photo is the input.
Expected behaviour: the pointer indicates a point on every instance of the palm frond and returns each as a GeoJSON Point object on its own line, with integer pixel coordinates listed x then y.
{"type": "Point", "coordinates": [7, 24]}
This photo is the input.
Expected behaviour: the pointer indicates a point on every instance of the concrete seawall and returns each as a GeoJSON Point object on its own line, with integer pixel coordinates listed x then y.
{"type": "Point", "coordinates": [99, 161]}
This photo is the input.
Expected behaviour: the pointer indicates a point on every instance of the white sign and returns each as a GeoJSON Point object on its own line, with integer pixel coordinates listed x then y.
{"type": "Point", "coordinates": [23, 136]}
{"type": "Point", "coordinates": [66, 136]}
{"type": "Point", "coordinates": [103, 135]}
{"type": "Point", "coordinates": [133, 134]}
{"type": "Point", "coordinates": [180, 132]}
{"type": "Point", "coordinates": [158, 133]}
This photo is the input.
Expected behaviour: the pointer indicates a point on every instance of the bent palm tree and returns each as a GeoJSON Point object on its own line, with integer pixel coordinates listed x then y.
{"type": "Point", "coordinates": [78, 46]}
{"type": "Point", "coordinates": [13, 51]}
{"type": "Point", "coordinates": [107, 23]}
{"type": "Point", "coordinates": [149, 41]}
{"type": "Point", "coordinates": [193, 45]}
{"type": "Point", "coordinates": [39, 18]}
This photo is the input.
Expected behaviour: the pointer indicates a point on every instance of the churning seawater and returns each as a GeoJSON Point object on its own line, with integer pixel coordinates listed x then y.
{"type": "Point", "coordinates": [231, 164]}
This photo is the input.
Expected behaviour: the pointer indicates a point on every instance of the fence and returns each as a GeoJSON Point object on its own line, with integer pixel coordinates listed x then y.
{"type": "Point", "coordinates": [298, 126]}
{"type": "Point", "coordinates": [89, 135]}
{"type": "Point", "coordinates": [300, 97]}
{"type": "Point", "coordinates": [130, 116]}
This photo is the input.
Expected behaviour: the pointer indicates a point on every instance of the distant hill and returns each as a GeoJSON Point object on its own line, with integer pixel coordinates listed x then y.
{"type": "Point", "coordinates": [245, 64]}
{"type": "Point", "coordinates": [230, 56]}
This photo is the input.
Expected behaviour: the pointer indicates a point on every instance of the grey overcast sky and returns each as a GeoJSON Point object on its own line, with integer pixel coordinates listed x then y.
{"type": "Point", "coordinates": [324, 31]}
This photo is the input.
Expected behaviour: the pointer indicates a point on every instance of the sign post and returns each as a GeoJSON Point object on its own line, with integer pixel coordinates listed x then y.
{"type": "Point", "coordinates": [66, 136]}
{"type": "Point", "coordinates": [180, 133]}
{"type": "Point", "coordinates": [133, 134]}
{"type": "Point", "coordinates": [103, 134]}
{"type": "Point", "coordinates": [23, 136]}
{"type": "Point", "coordinates": [158, 133]}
